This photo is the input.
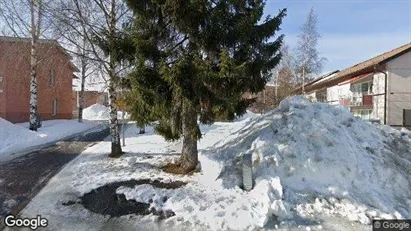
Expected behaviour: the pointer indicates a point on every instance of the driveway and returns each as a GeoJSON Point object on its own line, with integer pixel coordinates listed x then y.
{"type": "Point", "coordinates": [22, 178]}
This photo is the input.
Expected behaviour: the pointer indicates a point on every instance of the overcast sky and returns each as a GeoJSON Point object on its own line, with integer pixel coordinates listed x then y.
{"type": "Point", "coordinates": [352, 30]}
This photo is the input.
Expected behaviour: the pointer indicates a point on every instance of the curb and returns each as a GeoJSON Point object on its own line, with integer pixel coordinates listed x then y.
{"type": "Point", "coordinates": [8, 156]}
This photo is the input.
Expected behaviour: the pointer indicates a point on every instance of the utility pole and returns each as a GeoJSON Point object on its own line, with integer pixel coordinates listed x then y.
{"type": "Point", "coordinates": [124, 133]}
{"type": "Point", "coordinates": [122, 126]}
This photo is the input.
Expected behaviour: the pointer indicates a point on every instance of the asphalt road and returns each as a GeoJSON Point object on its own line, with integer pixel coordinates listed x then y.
{"type": "Point", "coordinates": [22, 178]}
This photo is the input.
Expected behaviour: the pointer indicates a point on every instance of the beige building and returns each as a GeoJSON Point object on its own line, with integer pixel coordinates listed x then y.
{"type": "Point", "coordinates": [376, 89]}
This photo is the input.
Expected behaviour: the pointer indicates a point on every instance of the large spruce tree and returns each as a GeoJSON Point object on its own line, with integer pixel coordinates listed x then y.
{"type": "Point", "coordinates": [194, 60]}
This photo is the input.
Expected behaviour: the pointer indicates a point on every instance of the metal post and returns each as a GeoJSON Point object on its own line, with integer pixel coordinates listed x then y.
{"type": "Point", "coordinates": [247, 172]}
{"type": "Point", "coordinates": [122, 127]}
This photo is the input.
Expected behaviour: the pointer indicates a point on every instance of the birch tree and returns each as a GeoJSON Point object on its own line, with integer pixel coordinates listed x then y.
{"type": "Point", "coordinates": [35, 29]}
{"type": "Point", "coordinates": [73, 37]}
{"type": "Point", "coordinates": [20, 23]}
{"type": "Point", "coordinates": [308, 60]}
{"type": "Point", "coordinates": [100, 22]}
{"type": "Point", "coordinates": [84, 73]}
{"type": "Point", "coordinates": [285, 78]}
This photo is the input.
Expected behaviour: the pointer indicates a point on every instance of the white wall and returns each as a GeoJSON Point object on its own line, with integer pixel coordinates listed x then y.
{"type": "Point", "coordinates": [399, 88]}
{"type": "Point", "coordinates": [334, 93]}
{"type": "Point", "coordinates": [378, 99]}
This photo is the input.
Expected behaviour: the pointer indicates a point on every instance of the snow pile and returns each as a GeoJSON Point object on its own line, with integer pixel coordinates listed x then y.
{"type": "Point", "coordinates": [309, 159]}
{"type": "Point", "coordinates": [11, 133]}
{"type": "Point", "coordinates": [322, 158]}
{"type": "Point", "coordinates": [96, 112]}
{"type": "Point", "coordinates": [248, 114]}
{"type": "Point", "coordinates": [217, 209]}
{"type": "Point", "coordinates": [17, 138]}
{"type": "Point", "coordinates": [100, 112]}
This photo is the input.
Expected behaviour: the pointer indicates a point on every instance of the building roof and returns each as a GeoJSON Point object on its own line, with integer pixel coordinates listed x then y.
{"type": "Point", "coordinates": [364, 67]}
{"type": "Point", "coordinates": [357, 78]}
{"type": "Point", "coordinates": [42, 41]}
{"type": "Point", "coordinates": [323, 77]}
{"type": "Point", "coordinates": [318, 80]}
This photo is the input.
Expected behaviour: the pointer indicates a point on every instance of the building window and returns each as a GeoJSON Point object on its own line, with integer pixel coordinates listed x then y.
{"type": "Point", "coordinates": [54, 107]}
{"type": "Point", "coordinates": [364, 87]}
{"type": "Point", "coordinates": [356, 114]}
{"type": "Point", "coordinates": [363, 114]}
{"type": "Point", "coordinates": [52, 77]}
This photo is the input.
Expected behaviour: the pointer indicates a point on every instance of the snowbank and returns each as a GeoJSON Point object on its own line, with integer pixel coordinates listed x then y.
{"type": "Point", "coordinates": [100, 112]}
{"type": "Point", "coordinates": [96, 112]}
{"type": "Point", "coordinates": [12, 134]}
{"type": "Point", "coordinates": [309, 160]}
{"type": "Point", "coordinates": [15, 138]}
{"type": "Point", "coordinates": [322, 158]}
{"type": "Point", "coordinates": [248, 114]}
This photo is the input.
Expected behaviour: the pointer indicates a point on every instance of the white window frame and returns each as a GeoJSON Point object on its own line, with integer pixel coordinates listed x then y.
{"type": "Point", "coordinates": [360, 113]}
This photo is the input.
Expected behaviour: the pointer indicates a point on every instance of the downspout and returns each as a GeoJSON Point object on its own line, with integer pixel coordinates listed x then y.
{"type": "Point", "coordinates": [385, 92]}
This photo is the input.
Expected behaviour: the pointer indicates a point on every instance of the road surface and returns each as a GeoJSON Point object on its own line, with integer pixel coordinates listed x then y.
{"type": "Point", "coordinates": [22, 178]}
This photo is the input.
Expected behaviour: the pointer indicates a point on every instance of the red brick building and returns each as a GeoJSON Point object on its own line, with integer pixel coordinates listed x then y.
{"type": "Point", "coordinates": [90, 98]}
{"type": "Point", "coordinates": [54, 80]}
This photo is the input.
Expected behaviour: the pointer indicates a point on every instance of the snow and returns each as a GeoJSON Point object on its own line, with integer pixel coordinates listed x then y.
{"type": "Point", "coordinates": [321, 151]}
{"type": "Point", "coordinates": [16, 138]}
{"type": "Point", "coordinates": [327, 77]}
{"type": "Point", "coordinates": [315, 167]}
{"type": "Point", "coordinates": [100, 112]}
{"type": "Point", "coordinates": [8, 204]}
{"type": "Point", "coordinates": [248, 114]}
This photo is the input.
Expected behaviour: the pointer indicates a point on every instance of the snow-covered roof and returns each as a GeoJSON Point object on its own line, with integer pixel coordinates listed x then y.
{"type": "Point", "coordinates": [322, 78]}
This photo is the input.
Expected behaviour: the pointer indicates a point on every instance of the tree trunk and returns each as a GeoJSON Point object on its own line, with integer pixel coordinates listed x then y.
{"type": "Point", "coordinates": [142, 130]}
{"type": "Point", "coordinates": [33, 79]}
{"type": "Point", "coordinates": [83, 80]}
{"type": "Point", "coordinates": [189, 154]}
{"type": "Point", "coordinates": [114, 128]}
{"type": "Point", "coordinates": [81, 95]}
{"type": "Point", "coordinates": [81, 104]}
